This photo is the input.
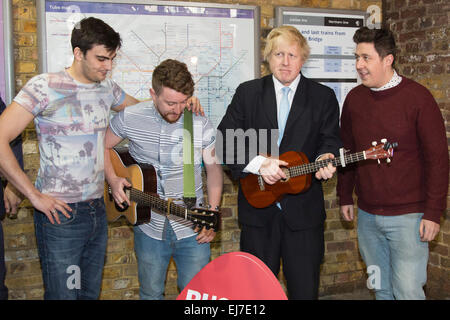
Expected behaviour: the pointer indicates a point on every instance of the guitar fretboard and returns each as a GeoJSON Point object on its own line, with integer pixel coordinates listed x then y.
{"type": "Point", "coordinates": [314, 166]}
{"type": "Point", "coordinates": [159, 204]}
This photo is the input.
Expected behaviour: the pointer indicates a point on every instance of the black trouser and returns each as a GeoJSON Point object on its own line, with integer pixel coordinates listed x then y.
{"type": "Point", "coordinates": [301, 252]}
{"type": "Point", "coordinates": [3, 288]}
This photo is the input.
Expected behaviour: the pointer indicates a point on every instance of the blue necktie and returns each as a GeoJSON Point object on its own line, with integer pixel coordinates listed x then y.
{"type": "Point", "coordinates": [283, 113]}
{"type": "Point", "coordinates": [282, 117]}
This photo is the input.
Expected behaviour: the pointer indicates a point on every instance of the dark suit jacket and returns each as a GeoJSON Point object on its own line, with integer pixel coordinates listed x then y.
{"type": "Point", "coordinates": [16, 146]}
{"type": "Point", "coordinates": [312, 128]}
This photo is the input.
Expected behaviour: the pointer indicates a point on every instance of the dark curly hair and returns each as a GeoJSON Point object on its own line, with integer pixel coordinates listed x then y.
{"type": "Point", "coordinates": [92, 31]}
{"type": "Point", "coordinates": [173, 74]}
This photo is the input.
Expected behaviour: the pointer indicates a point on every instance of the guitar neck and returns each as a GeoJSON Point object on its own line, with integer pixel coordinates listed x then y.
{"type": "Point", "coordinates": [159, 204]}
{"type": "Point", "coordinates": [315, 166]}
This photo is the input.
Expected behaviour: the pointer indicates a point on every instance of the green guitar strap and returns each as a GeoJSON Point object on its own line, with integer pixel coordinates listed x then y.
{"type": "Point", "coordinates": [188, 161]}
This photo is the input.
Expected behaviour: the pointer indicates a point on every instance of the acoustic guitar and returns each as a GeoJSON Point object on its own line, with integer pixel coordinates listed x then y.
{"type": "Point", "coordinates": [143, 196]}
{"type": "Point", "coordinates": [299, 173]}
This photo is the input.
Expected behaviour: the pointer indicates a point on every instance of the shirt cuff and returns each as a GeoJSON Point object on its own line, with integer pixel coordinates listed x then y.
{"type": "Point", "coordinates": [254, 165]}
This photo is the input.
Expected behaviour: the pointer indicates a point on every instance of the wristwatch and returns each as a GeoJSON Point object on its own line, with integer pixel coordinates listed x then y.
{"type": "Point", "coordinates": [216, 208]}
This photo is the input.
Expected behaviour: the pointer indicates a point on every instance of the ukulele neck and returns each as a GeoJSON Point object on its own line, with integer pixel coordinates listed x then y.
{"type": "Point", "coordinates": [315, 166]}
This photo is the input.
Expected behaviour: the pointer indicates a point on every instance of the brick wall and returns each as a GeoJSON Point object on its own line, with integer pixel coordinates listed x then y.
{"type": "Point", "coordinates": [421, 29]}
{"type": "Point", "coordinates": [343, 270]}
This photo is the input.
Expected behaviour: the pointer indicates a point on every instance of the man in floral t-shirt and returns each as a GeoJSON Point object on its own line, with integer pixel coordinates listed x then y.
{"type": "Point", "coordinates": [71, 112]}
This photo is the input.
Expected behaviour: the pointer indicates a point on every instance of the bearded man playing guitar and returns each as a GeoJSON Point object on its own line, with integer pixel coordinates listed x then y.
{"type": "Point", "coordinates": [155, 132]}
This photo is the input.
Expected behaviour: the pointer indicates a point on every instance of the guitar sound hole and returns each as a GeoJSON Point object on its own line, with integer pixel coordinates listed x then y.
{"type": "Point", "coordinates": [124, 205]}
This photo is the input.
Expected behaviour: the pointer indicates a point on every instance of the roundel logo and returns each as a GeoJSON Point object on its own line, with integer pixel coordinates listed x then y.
{"type": "Point", "coordinates": [234, 276]}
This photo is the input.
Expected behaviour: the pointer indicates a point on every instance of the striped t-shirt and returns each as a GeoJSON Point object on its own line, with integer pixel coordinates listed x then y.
{"type": "Point", "coordinates": [152, 140]}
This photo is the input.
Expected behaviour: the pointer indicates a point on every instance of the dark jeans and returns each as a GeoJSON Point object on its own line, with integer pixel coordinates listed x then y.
{"type": "Point", "coordinates": [3, 288]}
{"type": "Point", "coordinates": [73, 253]}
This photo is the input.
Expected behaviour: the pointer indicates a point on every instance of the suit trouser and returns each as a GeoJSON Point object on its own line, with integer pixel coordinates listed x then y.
{"type": "Point", "coordinates": [301, 252]}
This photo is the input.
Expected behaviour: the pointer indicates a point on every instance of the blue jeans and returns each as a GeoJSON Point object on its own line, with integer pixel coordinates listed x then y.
{"type": "Point", "coordinates": [153, 257]}
{"type": "Point", "coordinates": [395, 257]}
{"type": "Point", "coordinates": [73, 253]}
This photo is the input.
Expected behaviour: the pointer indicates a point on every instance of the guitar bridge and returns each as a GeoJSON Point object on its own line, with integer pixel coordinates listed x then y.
{"type": "Point", "coordinates": [261, 183]}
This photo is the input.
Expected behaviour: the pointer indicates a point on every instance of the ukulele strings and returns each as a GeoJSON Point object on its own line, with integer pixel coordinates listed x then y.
{"type": "Point", "coordinates": [311, 167]}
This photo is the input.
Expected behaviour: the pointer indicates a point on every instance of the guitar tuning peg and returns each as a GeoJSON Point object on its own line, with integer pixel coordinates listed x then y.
{"type": "Point", "coordinates": [374, 143]}
{"type": "Point", "coordinates": [378, 161]}
{"type": "Point", "coordinates": [384, 140]}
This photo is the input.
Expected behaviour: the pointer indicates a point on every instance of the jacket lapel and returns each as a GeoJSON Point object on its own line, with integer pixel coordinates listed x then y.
{"type": "Point", "coordinates": [299, 104]}
{"type": "Point", "coordinates": [269, 101]}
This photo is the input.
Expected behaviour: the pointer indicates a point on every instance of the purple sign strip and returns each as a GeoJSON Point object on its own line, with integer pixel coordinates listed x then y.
{"type": "Point", "coordinates": [146, 9]}
{"type": "Point", "coordinates": [2, 54]}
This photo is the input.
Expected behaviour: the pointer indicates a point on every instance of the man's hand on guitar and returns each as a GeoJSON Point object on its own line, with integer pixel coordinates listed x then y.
{"type": "Point", "coordinates": [270, 170]}
{"type": "Point", "coordinates": [328, 171]}
{"type": "Point", "coordinates": [205, 235]}
{"type": "Point", "coordinates": [118, 184]}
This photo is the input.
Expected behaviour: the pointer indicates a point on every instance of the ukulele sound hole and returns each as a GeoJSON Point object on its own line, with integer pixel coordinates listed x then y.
{"type": "Point", "coordinates": [286, 172]}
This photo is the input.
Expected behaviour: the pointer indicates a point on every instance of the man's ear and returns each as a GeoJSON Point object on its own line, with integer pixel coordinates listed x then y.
{"type": "Point", "coordinates": [389, 59]}
{"type": "Point", "coordinates": [78, 54]}
{"type": "Point", "coordinates": [152, 94]}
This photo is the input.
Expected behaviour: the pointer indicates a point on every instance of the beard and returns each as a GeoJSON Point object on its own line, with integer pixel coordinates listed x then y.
{"type": "Point", "coordinates": [170, 117]}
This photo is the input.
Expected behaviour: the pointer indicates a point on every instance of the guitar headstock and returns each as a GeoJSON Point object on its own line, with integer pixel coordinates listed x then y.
{"type": "Point", "coordinates": [202, 217]}
{"type": "Point", "coordinates": [385, 150]}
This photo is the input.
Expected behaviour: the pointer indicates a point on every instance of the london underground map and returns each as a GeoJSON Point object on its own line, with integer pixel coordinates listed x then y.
{"type": "Point", "coordinates": [213, 42]}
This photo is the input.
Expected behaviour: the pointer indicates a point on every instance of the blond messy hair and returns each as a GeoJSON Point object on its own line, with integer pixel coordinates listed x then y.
{"type": "Point", "coordinates": [289, 33]}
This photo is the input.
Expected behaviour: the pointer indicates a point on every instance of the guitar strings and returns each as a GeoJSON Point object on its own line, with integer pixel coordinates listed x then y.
{"type": "Point", "coordinates": [314, 166]}
{"type": "Point", "coordinates": [159, 204]}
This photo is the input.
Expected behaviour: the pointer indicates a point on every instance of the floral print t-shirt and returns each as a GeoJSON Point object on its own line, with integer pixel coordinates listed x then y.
{"type": "Point", "coordinates": [71, 119]}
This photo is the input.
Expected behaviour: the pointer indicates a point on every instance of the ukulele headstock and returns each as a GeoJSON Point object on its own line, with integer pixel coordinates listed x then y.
{"type": "Point", "coordinates": [385, 150]}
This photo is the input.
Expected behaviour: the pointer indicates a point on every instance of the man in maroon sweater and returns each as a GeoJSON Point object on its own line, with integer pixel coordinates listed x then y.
{"type": "Point", "coordinates": [399, 203]}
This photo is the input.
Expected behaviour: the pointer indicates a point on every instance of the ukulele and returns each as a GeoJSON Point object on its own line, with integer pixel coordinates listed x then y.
{"type": "Point", "coordinates": [143, 196]}
{"type": "Point", "coordinates": [298, 173]}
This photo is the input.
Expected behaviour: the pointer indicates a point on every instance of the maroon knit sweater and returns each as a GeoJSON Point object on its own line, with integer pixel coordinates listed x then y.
{"type": "Point", "coordinates": [417, 178]}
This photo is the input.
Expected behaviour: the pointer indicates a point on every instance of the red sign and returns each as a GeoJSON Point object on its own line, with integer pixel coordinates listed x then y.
{"type": "Point", "coordinates": [234, 276]}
